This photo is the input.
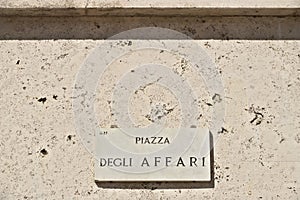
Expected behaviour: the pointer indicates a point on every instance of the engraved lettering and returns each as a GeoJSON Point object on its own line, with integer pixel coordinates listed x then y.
{"type": "Point", "coordinates": [180, 162]}
{"type": "Point", "coordinates": [152, 140]}
{"type": "Point", "coordinates": [145, 161]}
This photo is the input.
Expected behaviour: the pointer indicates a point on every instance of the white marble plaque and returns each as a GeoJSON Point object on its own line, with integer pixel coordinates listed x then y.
{"type": "Point", "coordinates": [170, 154]}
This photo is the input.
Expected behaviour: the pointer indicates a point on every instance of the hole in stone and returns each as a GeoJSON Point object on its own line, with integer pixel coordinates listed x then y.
{"type": "Point", "coordinates": [69, 137]}
{"type": "Point", "coordinates": [44, 152]}
{"type": "Point", "coordinates": [42, 99]}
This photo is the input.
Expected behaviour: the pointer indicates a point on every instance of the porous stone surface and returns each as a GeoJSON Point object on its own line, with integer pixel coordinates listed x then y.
{"type": "Point", "coordinates": [256, 155]}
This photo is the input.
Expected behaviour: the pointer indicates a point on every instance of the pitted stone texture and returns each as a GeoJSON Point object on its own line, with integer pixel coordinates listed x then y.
{"type": "Point", "coordinates": [256, 156]}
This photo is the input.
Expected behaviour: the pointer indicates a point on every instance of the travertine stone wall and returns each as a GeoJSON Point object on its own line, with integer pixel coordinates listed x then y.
{"type": "Point", "coordinates": [256, 155]}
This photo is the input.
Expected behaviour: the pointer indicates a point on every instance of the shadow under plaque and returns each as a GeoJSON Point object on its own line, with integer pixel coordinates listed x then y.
{"type": "Point", "coordinates": [152, 185]}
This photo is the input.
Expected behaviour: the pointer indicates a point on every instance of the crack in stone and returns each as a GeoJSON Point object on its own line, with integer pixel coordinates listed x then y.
{"type": "Point", "coordinates": [142, 88]}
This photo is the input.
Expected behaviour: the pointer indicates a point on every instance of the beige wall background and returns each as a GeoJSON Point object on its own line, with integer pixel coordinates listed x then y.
{"type": "Point", "coordinates": [255, 157]}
